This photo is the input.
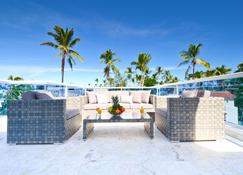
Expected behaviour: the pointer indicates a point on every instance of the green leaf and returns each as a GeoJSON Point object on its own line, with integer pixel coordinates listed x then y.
{"type": "Point", "coordinates": [203, 62]}
{"type": "Point", "coordinates": [76, 55]}
{"type": "Point", "coordinates": [183, 63]}
{"type": "Point", "coordinates": [71, 61]}
{"type": "Point", "coordinates": [59, 54]}
{"type": "Point", "coordinates": [51, 44]}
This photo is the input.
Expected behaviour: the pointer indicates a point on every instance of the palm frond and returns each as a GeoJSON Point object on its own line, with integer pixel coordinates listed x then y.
{"type": "Point", "coordinates": [59, 54]}
{"type": "Point", "coordinates": [51, 44]}
{"type": "Point", "coordinates": [114, 68]}
{"type": "Point", "coordinates": [55, 36]}
{"type": "Point", "coordinates": [185, 55]}
{"type": "Point", "coordinates": [199, 46]}
{"type": "Point", "coordinates": [61, 47]}
{"type": "Point", "coordinates": [116, 60]}
{"type": "Point", "coordinates": [73, 42]}
{"type": "Point", "coordinates": [74, 53]}
{"type": "Point", "coordinates": [187, 72]}
{"type": "Point", "coordinates": [183, 63]}
{"type": "Point", "coordinates": [203, 62]}
{"type": "Point", "coordinates": [68, 36]}
{"type": "Point", "coordinates": [71, 61]}
{"type": "Point", "coordinates": [59, 31]}
{"type": "Point", "coordinates": [134, 63]}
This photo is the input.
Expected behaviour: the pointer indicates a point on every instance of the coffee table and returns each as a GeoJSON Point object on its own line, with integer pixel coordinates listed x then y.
{"type": "Point", "coordinates": [126, 117]}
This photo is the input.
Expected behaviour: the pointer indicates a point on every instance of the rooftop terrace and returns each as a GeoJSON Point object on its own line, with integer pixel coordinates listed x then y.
{"type": "Point", "coordinates": [121, 149]}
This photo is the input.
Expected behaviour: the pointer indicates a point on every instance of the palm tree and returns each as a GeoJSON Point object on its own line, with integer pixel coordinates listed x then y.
{"type": "Point", "coordinates": [96, 82]}
{"type": "Point", "coordinates": [197, 74]}
{"type": "Point", "coordinates": [15, 91]}
{"type": "Point", "coordinates": [190, 56]}
{"type": "Point", "coordinates": [130, 74]}
{"type": "Point", "coordinates": [222, 70]}
{"type": "Point", "coordinates": [169, 78]}
{"type": "Point", "coordinates": [64, 43]}
{"type": "Point", "coordinates": [109, 61]}
{"type": "Point", "coordinates": [120, 80]}
{"type": "Point", "coordinates": [239, 68]}
{"type": "Point", "coordinates": [159, 71]}
{"type": "Point", "coordinates": [159, 74]}
{"type": "Point", "coordinates": [12, 78]}
{"type": "Point", "coordinates": [142, 65]}
{"type": "Point", "coordinates": [209, 73]}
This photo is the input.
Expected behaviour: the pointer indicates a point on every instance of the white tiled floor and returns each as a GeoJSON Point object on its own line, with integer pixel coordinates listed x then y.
{"type": "Point", "coordinates": [120, 149]}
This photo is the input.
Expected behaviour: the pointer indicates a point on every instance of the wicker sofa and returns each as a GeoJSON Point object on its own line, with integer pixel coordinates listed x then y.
{"type": "Point", "coordinates": [43, 121]}
{"type": "Point", "coordinates": [191, 118]}
{"type": "Point", "coordinates": [88, 108]}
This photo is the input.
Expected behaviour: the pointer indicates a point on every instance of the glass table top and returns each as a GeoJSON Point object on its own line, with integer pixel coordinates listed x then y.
{"type": "Point", "coordinates": [126, 115]}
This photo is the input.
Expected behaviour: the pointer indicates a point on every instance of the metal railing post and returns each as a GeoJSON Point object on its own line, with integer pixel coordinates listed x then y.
{"type": "Point", "coordinates": [177, 90]}
{"type": "Point", "coordinates": [66, 91]}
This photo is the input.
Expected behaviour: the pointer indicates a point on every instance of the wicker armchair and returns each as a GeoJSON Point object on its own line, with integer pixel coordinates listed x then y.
{"type": "Point", "coordinates": [191, 119]}
{"type": "Point", "coordinates": [43, 121]}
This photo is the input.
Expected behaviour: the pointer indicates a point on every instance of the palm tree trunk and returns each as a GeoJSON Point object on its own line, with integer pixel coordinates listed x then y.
{"type": "Point", "coordinates": [62, 67]}
{"type": "Point", "coordinates": [108, 78]}
{"type": "Point", "coordinates": [193, 71]}
{"type": "Point", "coordinates": [193, 68]}
{"type": "Point", "coordinates": [142, 80]}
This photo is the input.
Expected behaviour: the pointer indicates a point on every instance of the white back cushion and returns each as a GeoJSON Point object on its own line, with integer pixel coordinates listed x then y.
{"type": "Point", "coordinates": [117, 93]}
{"type": "Point", "coordinates": [207, 94]}
{"type": "Point", "coordinates": [102, 98]}
{"type": "Point", "coordinates": [92, 97]}
{"type": "Point", "coordinates": [145, 96]}
{"type": "Point", "coordinates": [188, 93]}
{"type": "Point", "coordinates": [126, 99]}
{"type": "Point", "coordinates": [136, 96]}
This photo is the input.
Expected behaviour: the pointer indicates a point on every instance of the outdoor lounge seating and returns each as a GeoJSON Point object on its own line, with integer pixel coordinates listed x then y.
{"type": "Point", "coordinates": [191, 118]}
{"type": "Point", "coordinates": [32, 121]}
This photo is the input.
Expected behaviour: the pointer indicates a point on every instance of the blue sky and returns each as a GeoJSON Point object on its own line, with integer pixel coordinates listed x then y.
{"type": "Point", "coordinates": [161, 28]}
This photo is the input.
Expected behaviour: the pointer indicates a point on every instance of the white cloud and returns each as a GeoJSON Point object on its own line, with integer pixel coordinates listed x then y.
{"type": "Point", "coordinates": [115, 28]}
{"type": "Point", "coordinates": [27, 19]}
{"type": "Point", "coordinates": [39, 69]}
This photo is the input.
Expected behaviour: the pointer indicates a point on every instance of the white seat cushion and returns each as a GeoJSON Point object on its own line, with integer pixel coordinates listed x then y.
{"type": "Point", "coordinates": [94, 106]}
{"type": "Point", "coordinates": [139, 105]}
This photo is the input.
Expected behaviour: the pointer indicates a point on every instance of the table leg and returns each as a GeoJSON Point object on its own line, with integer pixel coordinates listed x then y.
{"type": "Point", "coordinates": [149, 128]}
{"type": "Point", "coordinates": [87, 129]}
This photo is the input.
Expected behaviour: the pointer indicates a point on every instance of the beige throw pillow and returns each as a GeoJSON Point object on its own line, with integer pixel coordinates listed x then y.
{"type": "Point", "coordinates": [118, 93]}
{"type": "Point", "coordinates": [145, 96]}
{"type": "Point", "coordinates": [102, 98]}
{"type": "Point", "coordinates": [189, 93]}
{"type": "Point", "coordinates": [207, 94]}
{"type": "Point", "coordinates": [126, 99]}
{"type": "Point", "coordinates": [92, 97]}
{"type": "Point", "coordinates": [136, 96]}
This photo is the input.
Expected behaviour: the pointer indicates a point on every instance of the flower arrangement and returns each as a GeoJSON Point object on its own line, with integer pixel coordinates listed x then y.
{"type": "Point", "coordinates": [116, 108]}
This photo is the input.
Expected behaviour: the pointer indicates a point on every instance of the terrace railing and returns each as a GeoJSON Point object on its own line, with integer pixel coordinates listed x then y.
{"type": "Point", "coordinates": [232, 83]}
